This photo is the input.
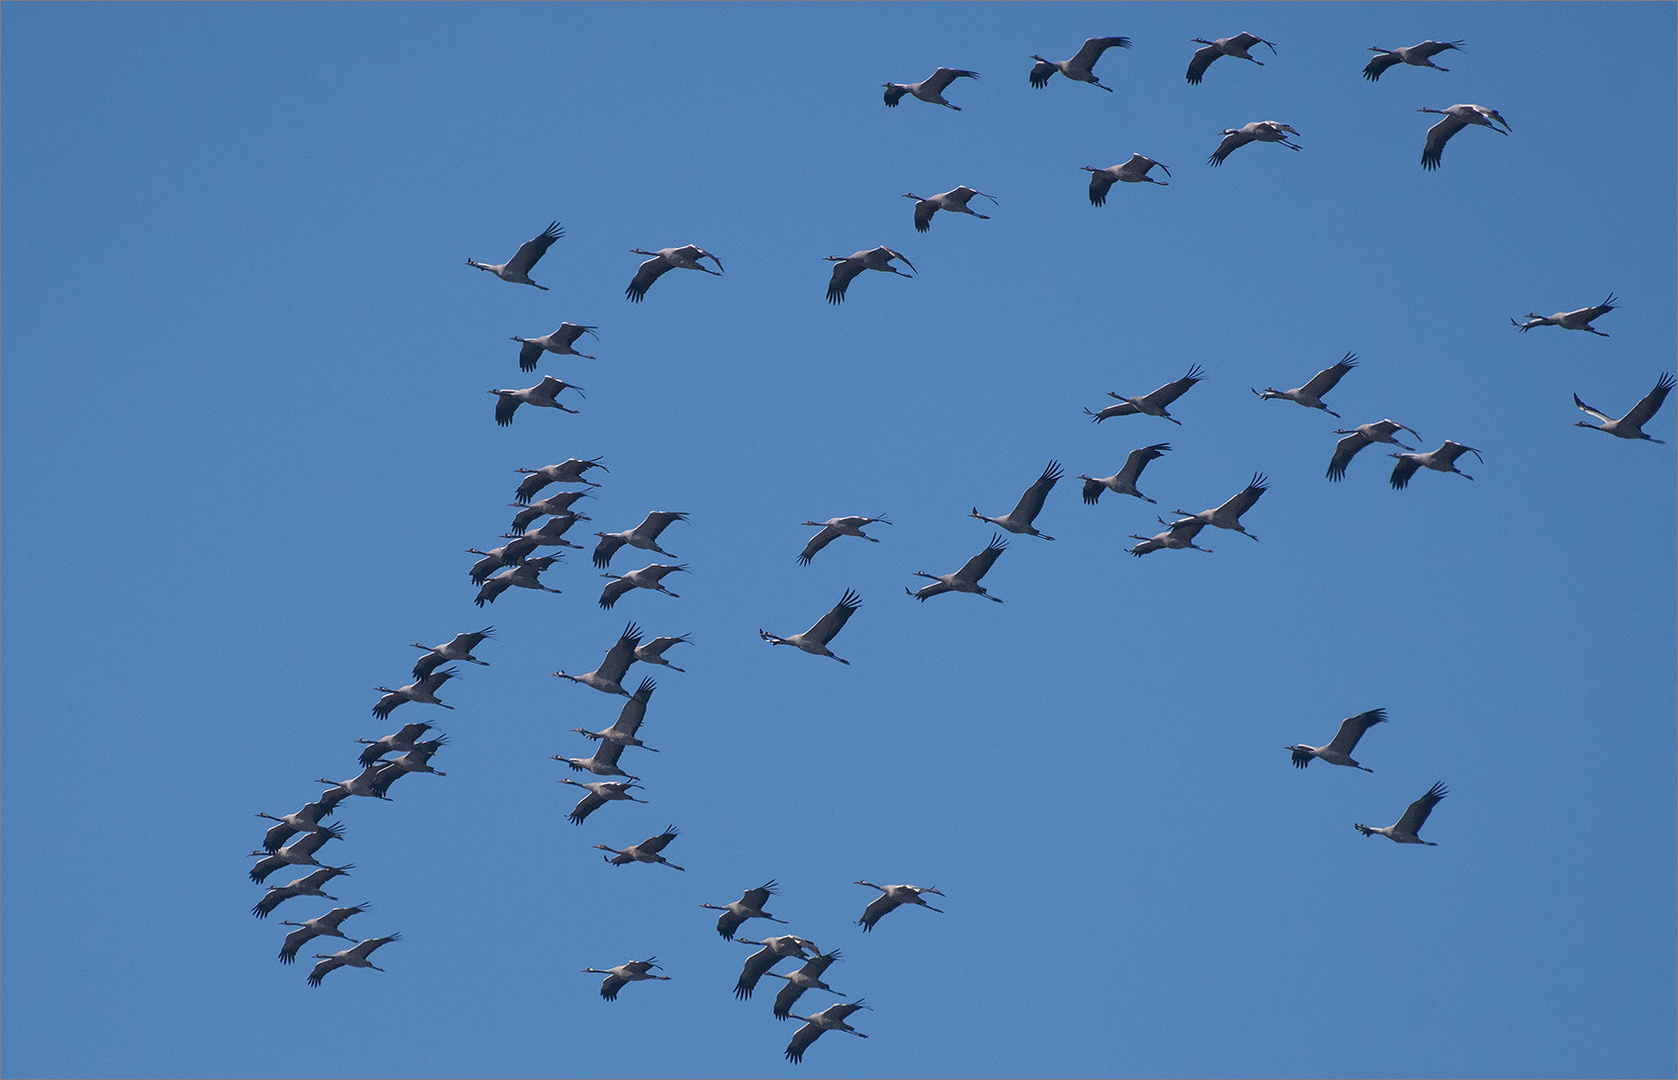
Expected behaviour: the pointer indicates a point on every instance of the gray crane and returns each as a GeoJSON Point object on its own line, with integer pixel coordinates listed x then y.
{"type": "Point", "coordinates": [1456, 117]}
{"type": "Point", "coordinates": [814, 640]}
{"type": "Point", "coordinates": [1338, 750]}
{"type": "Point", "coordinates": [1405, 829]}
{"type": "Point", "coordinates": [1079, 67]}
{"type": "Point", "coordinates": [517, 269]}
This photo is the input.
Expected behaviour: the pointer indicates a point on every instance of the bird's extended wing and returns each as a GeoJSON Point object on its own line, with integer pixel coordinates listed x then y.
{"type": "Point", "coordinates": [1031, 503]}
{"type": "Point", "coordinates": [829, 625]}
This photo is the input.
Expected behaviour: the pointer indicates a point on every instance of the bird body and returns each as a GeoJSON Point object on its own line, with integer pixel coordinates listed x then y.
{"type": "Point", "coordinates": [846, 267]}
{"type": "Point", "coordinates": [1019, 520]}
{"type": "Point", "coordinates": [1440, 460]}
{"type": "Point", "coordinates": [1311, 394]}
{"type": "Point", "coordinates": [805, 978]}
{"type": "Point", "coordinates": [416, 759]}
{"type": "Point", "coordinates": [1152, 404]}
{"type": "Point", "coordinates": [1570, 320]}
{"type": "Point", "coordinates": [967, 578]}
{"type": "Point", "coordinates": [542, 396]}
{"type": "Point", "coordinates": [550, 534]}
{"type": "Point", "coordinates": [1630, 426]}
{"type": "Point", "coordinates": [650, 576]}
{"type": "Point", "coordinates": [603, 762]}
{"type": "Point", "coordinates": [559, 343]}
{"type": "Point", "coordinates": [1259, 131]}
{"type": "Point", "coordinates": [890, 899]}
{"type": "Point", "coordinates": [421, 690]}
{"type": "Point", "coordinates": [666, 259]}
{"type": "Point", "coordinates": [608, 677]}
{"type": "Point", "coordinates": [774, 950]}
{"type": "Point", "coordinates": [653, 651]}
{"type": "Point", "coordinates": [569, 471]}
{"type": "Point", "coordinates": [305, 820]}
{"type": "Point", "coordinates": [363, 784]}
{"type": "Point", "coordinates": [351, 957]}
{"type": "Point", "coordinates": [1175, 538]}
{"type": "Point", "coordinates": [749, 906]}
{"type": "Point", "coordinates": [1457, 117]}
{"type": "Point", "coordinates": [1236, 46]}
{"type": "Point", "coordinates": [458, 648]}
{"type": "Point", "coordinates": [554, 506]}
{"type": "Point", "coordinates": [320, 926]}
{"type": "Point", "coordinates": [624, 974]}
{"type": "Point", "coordinates": [297, 853]}
{"type": "Point", "coordinates": [524, 576]}
{"type": "Point", "coordinates": [831, 1018]}
{"type": "Point", "coordinates": [1361, 436]}
{"type": "Point", "coordinates": [1338, 751]}
{"type": "Point", "coordinates": [1078, 68]}
{"type": "Point", "coordinates": [629, 720]}
{"type": "Point", "coordinates": [600, 792]}
{"type": "Point", "coordinates": [832, 529]}
{"type": "Point", "coordinates": [517, 269]}
{"type": "Point", "coordinates": [308, 885]}
{"type": "Point", "coordinates": [954, 201]}
{"type": "Point", "coordinates": [1405, 829]}
{"type": "Point", "coordinates": [930, 89]}
{"type": "Point", "coordinates": [1123, 482]}
{"type": "Point", "coordinates": [1415, 55]}
{"type": "Point", "coordinates": [814, 640]}
{"type": "Point", "coordinates": [398, 743]}
{"type": "Point", "coordinates": [644, 536]}
{"type": "Point", "coordinates": [1134, 171]}
{"type": "Point", "coordinates": [646, 851]}
{"type": "Point", "coordinates": [1228, 516]}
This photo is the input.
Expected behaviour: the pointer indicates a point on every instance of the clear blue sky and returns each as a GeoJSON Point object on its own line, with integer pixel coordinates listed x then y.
{"type": "Point", "coordinates": [245, 375]}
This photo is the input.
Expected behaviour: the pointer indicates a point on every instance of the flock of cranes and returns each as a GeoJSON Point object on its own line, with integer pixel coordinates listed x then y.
{"type": "Point", "coordinates": [515, 564]}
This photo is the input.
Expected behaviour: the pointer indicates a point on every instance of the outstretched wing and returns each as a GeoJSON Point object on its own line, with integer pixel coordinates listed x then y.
{"type": "Point", "coordinates": [829, 625]}
{"type": "Point", "coordinates": [817, 542]}
{"type": "Point", "coordinates": [843, 271]}
{"type": "Point", "coordinates": [1437, 136]}
{"type": "Point", "coordinates": [1383, 61]}
{"type": "Point", "coordinates": [1031, 503]}
{"type": "Point", "coordinates": [1202, 60]}
{"type": "Point", "coordinates": [801, 1041]}
{"type": "Point", "coordinates": [881, 906]}
{"type": "Point", "coordinates": [533, 249]}
{"type": "Point", "coordinates": [1402, 471]}
{"type": "Point", "coordinates": [587, 805]}
{"type": "Point", "coordinates": [756, 964]}
{"type": "Point", "coordinates": [634, 710]}
{"type": "Point", "coordinates": [944, 76]}
{"type": "Point", "coordinates": [645, 276]}
{"type": "Point", "coordinates": [1101, 182]}
{"type": "Point", "coordinates": [1344, 451]}
{"type": "Point", "coordinates": [658, 843]}
{"type": "Point", "coordinates": [1416, 814]}
{"type": "Point", "coordinates": [622, 652]}
{"type": "Point", "coordinates": [1651, 403]}
{"type": "Point", "coordinates": [1138, 460]}
{"type": "Point", "coordinates": [980, 564]}
{"type": "Point", "coordinates": [1323, 381]}
{"type": "Point", "coordinates": [1171, 391]}
{"type": "Point", "coordinates": [1040, 73]}
{"type": "Point", "coordinates": [1094, 47]}
{"type": "Point", "coordinates": [1244, 500]}
{"type": "Point", "coordinates": [1352, 729]}
{"type": "Point", "coordinates": [1233, 140]}
{"type": "Point", "coordinates": [786, 999]}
